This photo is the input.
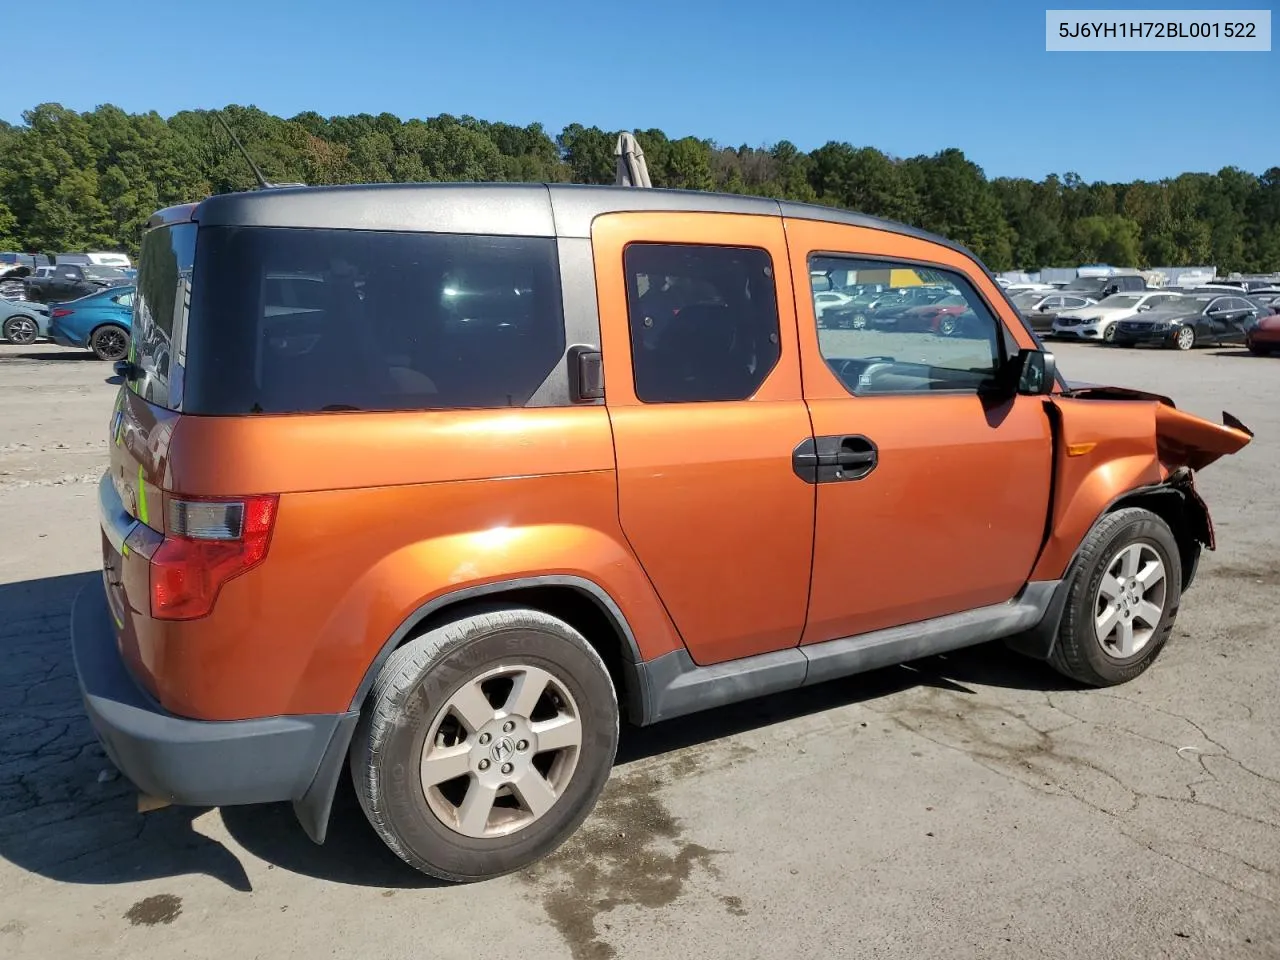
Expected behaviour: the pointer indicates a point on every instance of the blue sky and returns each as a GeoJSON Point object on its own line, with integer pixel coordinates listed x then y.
{"type": "Point", "coordinates": [905, 77]}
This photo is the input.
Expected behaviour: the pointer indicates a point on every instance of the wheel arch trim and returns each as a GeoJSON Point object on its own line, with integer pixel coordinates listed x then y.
{"type": "Point", "coordinates": [630, 649]}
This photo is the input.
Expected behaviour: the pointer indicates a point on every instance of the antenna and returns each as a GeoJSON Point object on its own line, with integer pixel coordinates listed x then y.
{"type": "Point", "coordinates": [263, 183]}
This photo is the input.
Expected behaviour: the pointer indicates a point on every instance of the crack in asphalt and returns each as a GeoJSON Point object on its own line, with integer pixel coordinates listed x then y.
{"type": "Point", "coordinates": [933, 721]}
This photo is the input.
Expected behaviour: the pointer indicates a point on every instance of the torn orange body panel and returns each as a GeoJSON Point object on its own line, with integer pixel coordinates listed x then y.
{"type": "Point", "coordinates": [1183, 439]}
{"type": "Point", "coordinates": [1114, 442]}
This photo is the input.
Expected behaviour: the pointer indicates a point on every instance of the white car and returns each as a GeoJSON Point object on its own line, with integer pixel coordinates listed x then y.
{"type": "Point", "coordinates": [1097, 322]}
{"type": "Point", "coordinates": [826, 299]}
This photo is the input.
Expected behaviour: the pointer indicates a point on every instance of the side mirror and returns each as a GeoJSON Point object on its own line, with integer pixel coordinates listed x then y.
{"type": "Point", "coordinates": [1037, 372]}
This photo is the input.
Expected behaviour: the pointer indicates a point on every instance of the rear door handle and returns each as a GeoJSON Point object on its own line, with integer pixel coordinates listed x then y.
{"type": "Point", "coordinates": [834, 459]}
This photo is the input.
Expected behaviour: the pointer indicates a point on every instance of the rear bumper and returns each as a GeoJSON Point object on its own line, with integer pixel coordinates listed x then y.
{"type": "Point", "coordinates": [196, 762]}
{"type": "Point", "coordinates": [61, 338]}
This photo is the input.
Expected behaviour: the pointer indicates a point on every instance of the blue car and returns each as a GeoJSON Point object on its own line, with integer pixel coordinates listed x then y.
{"type": "Point", "coordinates": [22, 322]}
{"type": "Point", "coordinates": [99, 322]}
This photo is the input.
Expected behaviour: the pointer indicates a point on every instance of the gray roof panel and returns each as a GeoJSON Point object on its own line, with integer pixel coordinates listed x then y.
{"type": "Point", "coordinates": [814, 211]}
{"type": "Point", "coordinates": [577, 205]}
{"type": "Point", "coordinates": [518, 209]}
{"type": "Point", "coordinates": [511, 209]}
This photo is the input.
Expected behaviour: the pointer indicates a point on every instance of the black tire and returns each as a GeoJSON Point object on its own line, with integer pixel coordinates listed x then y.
{"type": "Point", "coordinates": [409, 694]}
{"type": "Point", "coordinates": [110, 342]}
{"type": "Point", "coordinates": [1078, 653]}
{"type": "Point", "coordinates": [1110, 335]}
{"type": "Point", "coordinates": [948, 326]}
{"type": "Point", "coordinates": [1190, 342]}
{"type": "Point", "coordinates": [21, 330]}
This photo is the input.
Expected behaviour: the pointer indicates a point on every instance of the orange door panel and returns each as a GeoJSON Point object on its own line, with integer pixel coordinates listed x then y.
{"type": "Point", "coordinates": [707, 496]}
{"type": "Point", "coordinates": [950, 519]}
{"type": "Point", "coordinates": [953, 514]}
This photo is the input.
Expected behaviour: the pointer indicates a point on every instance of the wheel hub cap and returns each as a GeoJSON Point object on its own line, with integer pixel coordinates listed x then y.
{"type": "Point", "coordinates": [501, 752]}
{"type": "Point", "coordinates": [1130, 601]}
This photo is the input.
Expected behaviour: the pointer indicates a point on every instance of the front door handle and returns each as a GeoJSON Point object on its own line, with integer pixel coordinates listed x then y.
{"type": "Point", "coordinates": [834, 459]}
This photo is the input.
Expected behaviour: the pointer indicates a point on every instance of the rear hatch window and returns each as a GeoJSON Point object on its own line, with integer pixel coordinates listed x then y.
{"type": "Point", "coordinates": [283, 320]}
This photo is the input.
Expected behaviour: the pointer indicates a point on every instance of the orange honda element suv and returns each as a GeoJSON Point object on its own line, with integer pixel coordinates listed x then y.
{"type": "Point", "coordinates": [437, 483]}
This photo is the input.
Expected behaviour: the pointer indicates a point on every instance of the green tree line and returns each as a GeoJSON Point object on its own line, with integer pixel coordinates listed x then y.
{"type": "Point", "coordinates": [82, 181]}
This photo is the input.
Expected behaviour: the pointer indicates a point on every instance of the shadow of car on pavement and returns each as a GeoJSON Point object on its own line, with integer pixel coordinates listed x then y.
{"type": "Point", "coordinates": [67, 815]}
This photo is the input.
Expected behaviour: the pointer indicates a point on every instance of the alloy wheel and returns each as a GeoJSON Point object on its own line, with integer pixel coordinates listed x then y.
{"type": "Point", "coordinates": [501, 751]}
{"type": "Point", "coordinates": [21, 330]}
{"type": "Point", "coordinates": [111, 344]}
{"type": "Point", "coordinates": [1130, 601]}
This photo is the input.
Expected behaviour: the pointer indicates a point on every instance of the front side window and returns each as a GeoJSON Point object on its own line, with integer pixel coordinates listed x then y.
{"type": "Point", "coordinates": [913, 344]}
{"type": "Point", "coordinates": [704, 321]}
{"type": "Point", "coordinates": [289, 320]}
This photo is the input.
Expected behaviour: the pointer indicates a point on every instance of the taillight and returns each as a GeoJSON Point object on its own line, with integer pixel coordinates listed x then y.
{"type": "Point", "coordinates": [207, 543]}
{"type": "Point", "coordinates": [60, 312]}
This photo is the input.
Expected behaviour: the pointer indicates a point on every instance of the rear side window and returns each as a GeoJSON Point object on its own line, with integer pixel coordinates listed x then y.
{"type": "Point", "coordinates": [164, 275]}
{"type": "Point", "coordinates": [290, 320]}
{"type": "Point", "coordinates": [704, 321]}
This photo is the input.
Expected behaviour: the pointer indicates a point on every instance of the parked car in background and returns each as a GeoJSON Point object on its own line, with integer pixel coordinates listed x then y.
{"type": "Point", "coordinates": [885, 311]}
{"type": "Point", "coordinates": [1040, 309]}
{"type": "Point", "coordinates": [941, 316]}
{"type": "Point", "coordinates": [826, 299]}
{"type": "Point", "coordinates": [1097, 322]}
{"type": "Point", "coordinates": [72, 281]}
{"type": "Point", "coordinates": [100, 322]}
{"type": "Point", "coordinates": [1099, 288]}
{"type": "Point", "coordinates": [1263, 338]}
{"type": "Point", "coordinates": [22, 322]}
{"type": "Point", "coordinates": [1246, 285]}
{"type": "Point", "coordinates": [1201, 318]}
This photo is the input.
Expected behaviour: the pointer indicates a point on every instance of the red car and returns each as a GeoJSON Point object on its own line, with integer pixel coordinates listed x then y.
{"type": "Point", "coordinates": [1264, 337]}
{"type": "Point", "coordinates": [939, 317]}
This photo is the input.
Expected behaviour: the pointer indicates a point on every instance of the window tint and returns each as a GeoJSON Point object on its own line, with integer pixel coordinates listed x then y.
{"type": "Point", "coordinates": [911, 345]}
{"type": "Point", "coordinates": [704, 321]}
{"type": "Point", "coordinates": [164, 274]}
{"type": "Point", "coordinates": [303, 320]}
